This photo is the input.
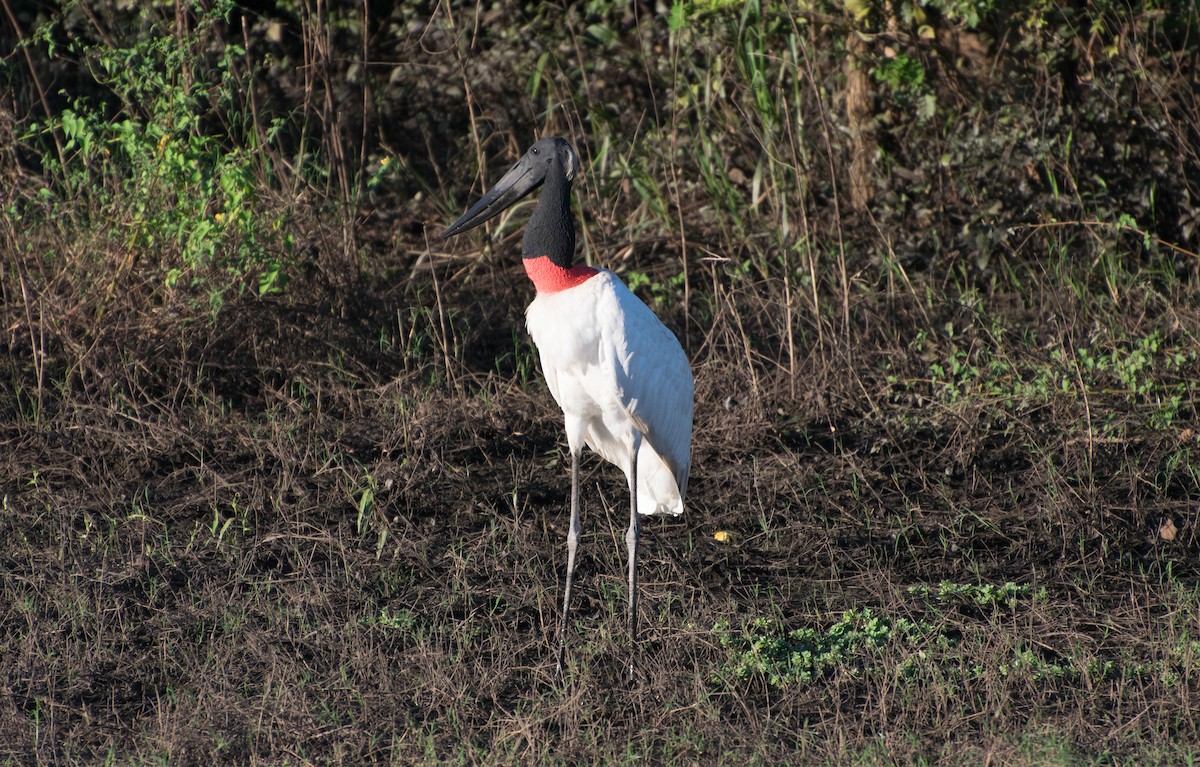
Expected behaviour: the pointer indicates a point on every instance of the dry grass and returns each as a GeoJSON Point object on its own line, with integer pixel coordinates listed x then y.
{"type": "Point", "coordinates": [952, 449]}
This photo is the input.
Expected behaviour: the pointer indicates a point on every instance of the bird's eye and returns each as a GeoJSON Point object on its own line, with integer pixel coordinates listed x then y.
{"type": "Point", "coordinates": [535, 150]}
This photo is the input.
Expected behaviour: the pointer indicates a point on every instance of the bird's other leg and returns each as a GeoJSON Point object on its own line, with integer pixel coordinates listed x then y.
{"type": "Point", "coordinates": [572, 547]}
{"type": "Point", "coordinates": [631, 543]}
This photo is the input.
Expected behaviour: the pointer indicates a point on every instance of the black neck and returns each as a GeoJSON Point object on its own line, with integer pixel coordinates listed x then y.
{"type": "Point", "coordinates": [550, 231]}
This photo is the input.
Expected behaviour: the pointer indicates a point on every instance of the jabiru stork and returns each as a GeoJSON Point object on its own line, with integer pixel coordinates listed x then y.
{"type": "Point", "coordinates": [619, 375]}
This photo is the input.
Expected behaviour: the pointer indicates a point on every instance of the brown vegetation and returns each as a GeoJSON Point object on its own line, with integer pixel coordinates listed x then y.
{"type": "Point", "coordinates": [282, 484]}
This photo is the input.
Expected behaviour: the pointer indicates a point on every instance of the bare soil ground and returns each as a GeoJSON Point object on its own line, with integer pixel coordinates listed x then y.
{"type": "Point", "coordinates": [275, 541]}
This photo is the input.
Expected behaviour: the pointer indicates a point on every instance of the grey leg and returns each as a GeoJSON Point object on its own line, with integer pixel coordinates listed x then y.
{"type": "Point", "coordinates": [631, 542]}
{"type": "Point", "coordinates": [572, 547]}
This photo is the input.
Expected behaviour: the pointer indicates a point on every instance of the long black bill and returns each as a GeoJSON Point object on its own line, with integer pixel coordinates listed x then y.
{"type": "Point", "coordinates": [520, 180]}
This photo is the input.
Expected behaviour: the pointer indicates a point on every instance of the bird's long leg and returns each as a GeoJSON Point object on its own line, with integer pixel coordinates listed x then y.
{"type": "Point", "coordinates": [572, 547]}
{"type": "Point", "coordinates": [631, 542]}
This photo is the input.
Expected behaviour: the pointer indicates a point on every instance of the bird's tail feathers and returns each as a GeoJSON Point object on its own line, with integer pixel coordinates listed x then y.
{"type": "Point", "coordinates": [658, 492]}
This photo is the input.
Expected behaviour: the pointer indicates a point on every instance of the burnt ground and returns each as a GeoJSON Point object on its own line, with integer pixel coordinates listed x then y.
{"type": "Point", "coordinates": [944, 483]}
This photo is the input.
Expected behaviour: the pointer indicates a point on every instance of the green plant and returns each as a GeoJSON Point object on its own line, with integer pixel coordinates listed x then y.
{"type": "Point", "coordinates": [175, 173]}
{"type": "Point", "coordinates": [854, 643]}
{"type": "Point", "coordinates": [904, 76]}
{"type": "Point", "coordinates": [984, 595]}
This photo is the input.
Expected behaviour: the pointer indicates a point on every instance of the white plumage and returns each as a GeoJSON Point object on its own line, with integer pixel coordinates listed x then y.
{"type": "Point", "coordinates": [614, 369]}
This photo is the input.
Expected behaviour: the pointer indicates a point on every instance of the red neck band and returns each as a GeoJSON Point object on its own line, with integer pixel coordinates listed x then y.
{"type": "Point", "coordinates": [549, 277]}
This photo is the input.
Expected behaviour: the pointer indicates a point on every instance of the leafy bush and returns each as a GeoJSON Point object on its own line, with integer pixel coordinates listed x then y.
{"type": "Point", "coordinates": [156, 158]}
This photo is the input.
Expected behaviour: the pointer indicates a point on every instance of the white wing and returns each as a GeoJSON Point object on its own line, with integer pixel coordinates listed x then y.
{"type": "Point", "coordinates": [654, 385]}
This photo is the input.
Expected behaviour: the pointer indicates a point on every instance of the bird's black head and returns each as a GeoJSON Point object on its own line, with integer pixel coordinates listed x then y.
{"type": "Point", "coordinates": [552, 157]}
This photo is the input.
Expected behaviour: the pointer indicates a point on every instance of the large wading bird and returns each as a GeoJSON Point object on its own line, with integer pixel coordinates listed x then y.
{"type": "Point", "coordinates": [620, 377]}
